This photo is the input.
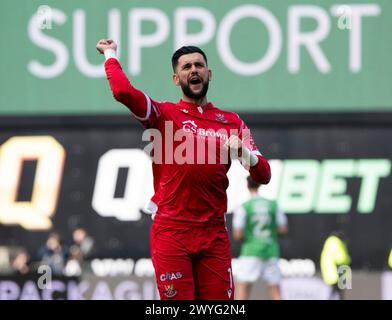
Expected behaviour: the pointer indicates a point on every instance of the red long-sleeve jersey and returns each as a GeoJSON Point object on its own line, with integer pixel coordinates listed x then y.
{"type": "Point", "coordinates": [189, 183]}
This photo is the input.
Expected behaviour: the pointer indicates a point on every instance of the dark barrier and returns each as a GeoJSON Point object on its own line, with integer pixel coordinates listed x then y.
{"type": "Point", "coordinates": [62, 173]}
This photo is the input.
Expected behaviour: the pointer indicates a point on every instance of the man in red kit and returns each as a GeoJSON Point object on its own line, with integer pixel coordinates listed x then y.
{"type": "Point", "coordinates": [190, 247]}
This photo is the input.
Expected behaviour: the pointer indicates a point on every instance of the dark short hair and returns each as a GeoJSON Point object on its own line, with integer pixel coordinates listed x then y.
{"type": "Point", "coordinates": [252, 184]}
{"type": "Point", "coordinates": [186, 50]}
{"type": "Point", "coordinates": [339, 233]}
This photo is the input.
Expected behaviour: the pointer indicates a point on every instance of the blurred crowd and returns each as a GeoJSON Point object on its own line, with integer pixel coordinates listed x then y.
{"type": "Point", "coordinates": [63, 259]}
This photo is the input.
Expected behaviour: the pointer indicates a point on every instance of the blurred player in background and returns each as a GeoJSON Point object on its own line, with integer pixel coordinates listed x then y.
{"type": "Point", "coordinates": [190, 247]}
{"type": "Point", "coordinates": [333, 255]}
{"type": "Point", "coordinates": [258, 222]}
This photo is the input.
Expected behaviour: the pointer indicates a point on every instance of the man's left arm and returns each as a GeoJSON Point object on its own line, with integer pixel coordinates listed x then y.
{"type": "Point", "coordinates": [249, 155]}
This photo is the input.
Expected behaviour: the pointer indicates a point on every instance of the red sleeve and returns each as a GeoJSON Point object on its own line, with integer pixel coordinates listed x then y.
{"type": "Point", "coordinates": [261, 172]}
{"type": "Point", "coordinates": [141, 106]}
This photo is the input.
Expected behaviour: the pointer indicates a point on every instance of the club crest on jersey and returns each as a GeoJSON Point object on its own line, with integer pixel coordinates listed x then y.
{"type": "Point", "coordinates": [221, 117]}
{"type": "Point", "coordinates": [170, 292]}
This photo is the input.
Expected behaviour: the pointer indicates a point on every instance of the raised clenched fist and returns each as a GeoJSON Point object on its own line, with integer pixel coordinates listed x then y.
{"type": "Point", "coordinates": [235, 144]}
{"type": "Point", "coordinates": [105, 44]}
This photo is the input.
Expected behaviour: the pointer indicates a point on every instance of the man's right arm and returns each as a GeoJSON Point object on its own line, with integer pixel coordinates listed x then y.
{"type": "Point", "coordinates": [135, 100]}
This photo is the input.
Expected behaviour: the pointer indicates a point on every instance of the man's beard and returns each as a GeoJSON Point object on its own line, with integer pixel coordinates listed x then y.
{"type": "Point", "coordinates": [186, 89]}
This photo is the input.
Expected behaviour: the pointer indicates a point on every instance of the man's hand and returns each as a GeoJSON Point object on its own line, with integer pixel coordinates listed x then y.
{"type": "Point", "coordinates": [239, 151]}
{"type": "Point", "coordinates": [234, 144]}
{"type": "Point", "coordinates": [105, 44]}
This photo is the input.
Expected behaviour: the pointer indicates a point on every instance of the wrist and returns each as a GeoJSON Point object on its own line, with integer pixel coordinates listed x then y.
{"type": "Point", "coordinates": [248, 157]}
{"type": "Point", "coordinates": [110, 53]}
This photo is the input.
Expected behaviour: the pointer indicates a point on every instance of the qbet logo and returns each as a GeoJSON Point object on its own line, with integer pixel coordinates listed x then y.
{"type": "Point", "coordinates": [170, 276]}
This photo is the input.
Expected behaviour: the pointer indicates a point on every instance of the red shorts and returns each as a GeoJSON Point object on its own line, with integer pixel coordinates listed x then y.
{"type": "Point", "coordinates": [192, 262]}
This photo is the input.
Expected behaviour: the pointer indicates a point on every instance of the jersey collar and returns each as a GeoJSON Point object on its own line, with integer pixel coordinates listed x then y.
{"type": "Point", "coordinates": [193, 106]}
